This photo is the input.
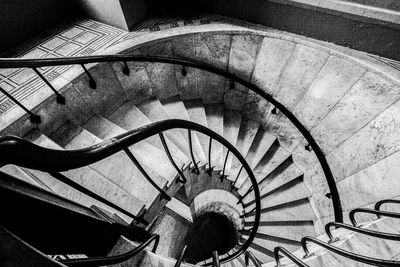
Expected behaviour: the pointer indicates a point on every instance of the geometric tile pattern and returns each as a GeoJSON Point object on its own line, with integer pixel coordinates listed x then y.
{"type": "Point", "coordinates": [77, 38]}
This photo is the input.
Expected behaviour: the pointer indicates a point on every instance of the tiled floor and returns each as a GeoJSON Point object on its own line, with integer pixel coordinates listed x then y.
{"type": "Point", "coordinates": [75, 38]}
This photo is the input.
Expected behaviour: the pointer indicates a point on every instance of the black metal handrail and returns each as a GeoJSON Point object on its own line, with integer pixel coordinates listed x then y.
{"type": "Point", "coordinates": [110, 260]}
{"type": "Point", "coordinates": [385, 201]}
{"type": "Point", "coordinates": [249, 256]}
{"type": "Point", "coordinates": [288, 254]}
{"type": "Point", "coordinates": [26, 154]}
{"type": "Point", "coordinates": [346, 254]}
{"type": "Point", "coordinates": [364, 231]}
{"type": "Point", "coordinates": [46, 62]}
{"type": "Point", "coordinates": [371, 211]}
{"type": "Point", "coordinates": [180, 258]}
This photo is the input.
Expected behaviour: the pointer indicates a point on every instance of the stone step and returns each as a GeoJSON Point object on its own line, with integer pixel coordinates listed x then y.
{"type": "Point", "coordinates": [215, 121]}
{"type": "Point", "coordinates": [154, 111]}
{"type": "Point", "coordinates": [177, 110]}
{"type": "Point", "coordinates": [247, 132]}
{"type": "Point", "coordinates": [232, 122]}
{"type": "Point", "coordinates": [294, 231]}
{"type": "Point", "coordinates": [296, 211]}
{"type": "Point", "coordinates": [89, 178]}
{"type": "Point", "coordinates": [120, 169]}
{"type": "Point", "coordinates": [160, 168]}
{"type": "Point", "coordinates": [129, 117]}
{"type": "Point", "coordinates": [268, 242]}
{"type": "Point", "coordinates": [22, 174]}
{"type": "Point", "coordinates": [268, 164]}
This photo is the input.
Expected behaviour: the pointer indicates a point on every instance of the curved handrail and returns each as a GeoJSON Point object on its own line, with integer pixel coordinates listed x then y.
{"type": "Point", "coordinates": [248, 255]}
{"type": "Point", "coordinates": [292, 257]}
{"type": "Point", "coordinates": [370, 211]}
{"type": "Point", "coordinates": [364, 231]}
{"type": "Point", "coordinates": [384, 201]}
{"type": "Point", "coordinates": [50, 160]}
{"type": "Point", "coordinates": [346, 254]}
{"type": "Point", "coordinates": [110, 260]}
{"type": "Point", "coordinates": [36, 63]}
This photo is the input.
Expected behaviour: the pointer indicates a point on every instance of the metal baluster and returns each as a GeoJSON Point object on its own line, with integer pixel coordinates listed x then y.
{"type": "Point", "coordinates": [164, 143]}
{"type": "Point", "coordinates": [125, 69]}
{"type": "Point", "coordinates": [210, 168]}
{"type": "Point", "coordinates": [33, 117]}
{"type": "Point", "coordinates": [237, 177]}
{"type": "Point", "coordinates": [92, 82]}
{"type": "Point", "coordinates": [144, 173]}
{"type": "Point", "coordinates": [184, 71]}
{"type": "Point", "coordinates": [179, 260]}
{"type": "Point", "coordinates": [216, 259]}
{"type": "Point", "coordinates": [60, 98]}
{"type": "Point", "coordinates": [196, 168]}
{"type": "Point", "coordinates": [223, 170]}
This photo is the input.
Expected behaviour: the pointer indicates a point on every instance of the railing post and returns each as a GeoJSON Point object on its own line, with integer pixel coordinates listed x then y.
{"type": "Point", "coordinates": [196, 168]}
{"type": "Point", "coordinates": [92, 82]}
{"type": "Point", "coordinates": [210, 168]}
{"type": "Point", "coordinates": [33, 117]}
{"type": "Point", "coordinates": [125, 69]}
{"type": "Point", "coordinates": [144, 173]}
{"type": "Point", "coordinates": [216, 259]}
{"type": "Point", "coordinates": [60, 98]}
{"type": "Point", "coordinates": [164, 143]}
{"type": "Point", "coordinates": [181, 255]}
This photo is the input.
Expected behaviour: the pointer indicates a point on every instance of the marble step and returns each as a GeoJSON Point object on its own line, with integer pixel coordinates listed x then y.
{"type": "Point", "coordinates": [269, 242]}
{"type": "Point", "coordinates": [293, 231]}
{"type": "Point", "coordinates": [154, 111]}
{"type": "Point", "coordinates": [262, 253]}
{"type": "Point", "coordinates": [129, 117]}
{"type": "Point", "coordinates": [215, 121]}
{"type": "Point", "coordinates": [247, 132]}
{"type": "Point", "coordinates": [291, 212]}
{"type": "Point", "coordinates": [268, 165]}
{"type": "Point", "coordinates": [260, 146]}
{"type": "Point", "coordinates": [22, 174]}
{"type": "Point", "coordinates": [177, 110]}
{"type": "Point", "coordinates": [154, 161]}
{"type": "Point", "coordinates": [120, 169]}
{"type": "Point", "coordinates": [197, 114]}
{"type": "Point", "coordinates": [232, 122]}
{"type": "Point", "coordinates": [89, 178]}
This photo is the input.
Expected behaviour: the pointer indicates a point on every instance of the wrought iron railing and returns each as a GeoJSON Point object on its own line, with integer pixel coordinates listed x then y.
{"type": "Point", "coordinates": [82, 61]}
{"type": "Point", "coordinates": [23, 153]}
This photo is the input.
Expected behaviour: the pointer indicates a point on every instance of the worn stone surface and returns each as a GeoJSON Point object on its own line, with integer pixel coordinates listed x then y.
{"type": "Point", "coordinates": [232, 122]}
{"type": "Point", "coordinates": [370, 96]}
{"type": "Point", "coordinates": [215, 121]}
{"type": "Point", "coordinates": [108, 94]}
{"type": "Point", "coordinates": [375, 141]}
{"type": "Point", "coordinates": [332, 83]}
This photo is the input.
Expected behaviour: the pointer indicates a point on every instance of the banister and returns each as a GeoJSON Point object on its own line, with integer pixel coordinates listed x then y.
{"type": "Point", "coordinates": [248, 255]}
{"type": "Point", "coordinates": [384, 201]}
{"type": "Point", "coordinates": [110, 260]}
{"type": "Point", "coordinates": [14, 151]}
{"type": "Point", "coordinates": [364, 231]}
{"type": "Point", "coordinates": [346, 254]}
{"type": "Point", "coordinates": [371, 211]}
{"type": "Point", "coordinates": [292, 257]}
{"type": "Point", "coordinates": [45, 62]}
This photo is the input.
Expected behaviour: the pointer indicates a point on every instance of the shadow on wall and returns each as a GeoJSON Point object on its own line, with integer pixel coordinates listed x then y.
{"type": "Point", "coordinates": [23, 19]}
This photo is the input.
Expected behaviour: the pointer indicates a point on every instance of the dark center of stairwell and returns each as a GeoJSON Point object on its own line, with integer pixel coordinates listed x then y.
{"type": "Point", "coordinates": [211, 232]}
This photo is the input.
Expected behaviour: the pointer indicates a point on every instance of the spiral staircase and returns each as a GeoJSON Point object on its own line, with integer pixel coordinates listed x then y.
{"type": "Point", "coordinates": [276, 134]}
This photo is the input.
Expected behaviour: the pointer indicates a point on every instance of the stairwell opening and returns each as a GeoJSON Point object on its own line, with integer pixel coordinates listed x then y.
{"type": "Point", "coordinates": [212, 231]}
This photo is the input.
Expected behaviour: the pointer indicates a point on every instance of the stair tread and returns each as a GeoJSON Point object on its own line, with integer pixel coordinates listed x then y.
{"type": "Point", "coordinates": [23, 175]}
{"type": "Point", "coordinates": [274, 157]}
{"type": "Point", "coordinates": [90, 179]}
{"type": "Point", "coordinates": [154, 110]}
{"type": "Point", "coordinates": [215, 121]}
{"type": "Point", "coordinates": [158, 167]}
{"type": "Point", "coordinates": [119, 168]}
{"type": "Point", "coordinates": [177, 110]}
{"type": "Point", "coordinates": [232, 122]}
{"type": "Point", "coordinates": [129, 117]}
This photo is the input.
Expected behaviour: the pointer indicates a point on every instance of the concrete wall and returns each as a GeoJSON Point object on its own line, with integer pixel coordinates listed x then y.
{"type": "Point", "coordinates": [21, 20]}
{"type": "Point", "coordinates": [119, 13]}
